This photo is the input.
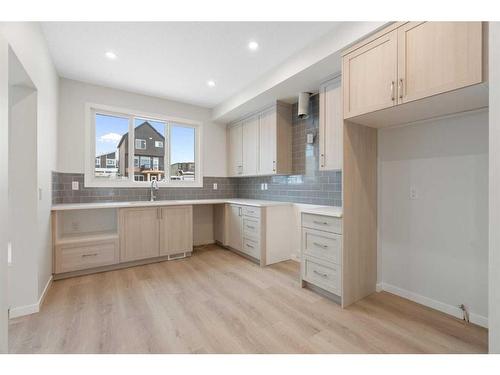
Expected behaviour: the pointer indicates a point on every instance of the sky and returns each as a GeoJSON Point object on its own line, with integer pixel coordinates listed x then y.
{"type": "Point", "coordinates": [109, 130]}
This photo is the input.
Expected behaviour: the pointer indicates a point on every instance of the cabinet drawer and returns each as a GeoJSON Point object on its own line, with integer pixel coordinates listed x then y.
{"type": "Point", "coordinates": [322, 245]}
{"type": "Point", "coordinates": [325, 275]}
{"type": "Point", "coordinates": [320, 222]}
{"type": "Point", "coordinates": [251, 227]}
{"type": "Point", "coordinates": [251, 211]}
{"type": "Point", "coordinates": [77, 257]}
{"type": "Point", "coordinates": [251, 247]}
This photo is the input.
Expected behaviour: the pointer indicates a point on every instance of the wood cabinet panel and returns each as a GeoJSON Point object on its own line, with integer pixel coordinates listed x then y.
{"type": "Point", "coordinates": [234, 226]}
{"type": "Point", "coordinates": [250, 146]}
{"type": "Point", "coordinates": [267, 142]}
{"type": "Point", "coordinates": [435, 57]}
{"type": "Point", "coordinates": [176, 230]}
{"type": "Point", "coordinates": [331, 124]}
{"type": "Point", "coordinates": [139, 233]}
{"type": "Point", "coordinates": [235, 154]}
{"type": "Point", "coordinates": [370, 76]}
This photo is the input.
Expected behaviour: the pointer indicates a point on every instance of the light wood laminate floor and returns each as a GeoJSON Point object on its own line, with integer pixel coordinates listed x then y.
{"type": "Point", "coordinates": [219, 302]}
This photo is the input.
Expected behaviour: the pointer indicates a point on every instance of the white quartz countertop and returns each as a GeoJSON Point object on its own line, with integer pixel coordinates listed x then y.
{"type": "Point", "coordinates": [324, 210]}
{"type": "Point", "coordinates": [88, 206]}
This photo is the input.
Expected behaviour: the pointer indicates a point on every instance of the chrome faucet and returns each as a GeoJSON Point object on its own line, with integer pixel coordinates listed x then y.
{"type": "Point", "coordinates": [154, 186]}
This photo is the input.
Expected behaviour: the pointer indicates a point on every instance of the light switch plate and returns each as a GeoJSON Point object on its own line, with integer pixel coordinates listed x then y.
{"type": "Point", "coordinates": [215, 186]}
{"type": "Point", "coordinates": [75, 185]}
{"type": "Point", "coordinates": [265, 186]}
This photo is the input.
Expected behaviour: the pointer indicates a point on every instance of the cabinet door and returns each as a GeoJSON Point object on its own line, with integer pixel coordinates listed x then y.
{"type": "Point", "coordinates": [267, 142]}
{"type": "Point", "coordinates": [331, 125]}
{"type": "Point", "coordinates": [250, 146]}
{"type": "Point", "coordinates": [369, 76]}
{"type": "Point", "coordinates": [234, 226]}
{"type": "Point", "coordinates": [139, 233]}
{"type": "Point", "coordinates": [435, 57]}
{"type": "Point", "coordinates": [176, 230]}
{"type": "Point", "coordinates": [235, 150]}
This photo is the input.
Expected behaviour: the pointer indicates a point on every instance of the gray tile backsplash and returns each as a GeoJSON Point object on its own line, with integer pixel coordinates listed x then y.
{"type": "Point", "coordinates": [306, 185]}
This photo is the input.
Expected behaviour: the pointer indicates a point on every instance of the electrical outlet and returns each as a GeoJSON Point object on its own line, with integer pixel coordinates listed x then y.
{"type": "Point", "coordinates": [75, 185]}
{"type": "Point", "coordinates": [265, 186]}
{"type": "Point", "coordinates": [215, 186]}
{"type": "Point", "coordinates": [9, 252]}
{"type": "Point", "coordinates": [413, 193]}
{"type": "Point", "coordinates": [262, 186]}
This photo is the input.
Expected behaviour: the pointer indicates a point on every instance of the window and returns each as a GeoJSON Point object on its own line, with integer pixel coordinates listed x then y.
{"type": "Point", "coordinates": [140, 144]}
{"type": "Point", "coordinates": [124, 140]}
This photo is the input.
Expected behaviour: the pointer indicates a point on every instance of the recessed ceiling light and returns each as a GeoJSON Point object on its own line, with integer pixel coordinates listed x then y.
{"type": "Point", "coordinates": [111, 55]}
{"type": "Point", "coordinates": [253, 45]}
{"type": "Point", "coordinates": [211, 83]}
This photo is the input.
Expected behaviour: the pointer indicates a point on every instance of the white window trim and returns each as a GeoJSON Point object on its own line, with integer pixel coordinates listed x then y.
{"type": "Point", "coordinates": [91, 181]}
{"type": "Point", "coordinates": [142, 140]}
{"type": "Point", "coordinates": [156, 142]}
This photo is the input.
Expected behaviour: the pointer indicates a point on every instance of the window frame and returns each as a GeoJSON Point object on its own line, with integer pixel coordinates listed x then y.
{"type": "Point", "coordinates": [141, 140]}
{"type": "Point", "coordinates": [156, 142]}
{"type": "Point", "coordinates": [90, 180]}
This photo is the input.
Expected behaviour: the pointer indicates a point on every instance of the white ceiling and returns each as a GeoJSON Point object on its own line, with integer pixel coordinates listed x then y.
{"type": "Point", "coordinates": [175, 59]}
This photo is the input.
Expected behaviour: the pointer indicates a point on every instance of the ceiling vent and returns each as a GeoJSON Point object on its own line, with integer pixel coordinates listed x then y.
{"type": "Point", "coordinates": [304, 105]}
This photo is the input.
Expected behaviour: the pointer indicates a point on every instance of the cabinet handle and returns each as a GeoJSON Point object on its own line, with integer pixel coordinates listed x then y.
{"type": "Point", "coordinates": [274, 165]}
{"type": "Point", "coordinates": [89, 255]}
{"type": "Point", "coordinates": [250, 227]}
{"type": "Point", "coordinates": [400, 88]}
{"type": "Point", "coordinates": [322, 156]}
{"type": "Point", "coordinates": [324, 275]}
{"type": "Point", "coordinates": [320, 245]}
{"type": "Point", "coordinates": [250, 246]}
{"type": "Point", "coordinates": [392, 91]}
{"type": "Point", "coordinates": [320, 222]}
{"type": "Point", "coordinates": [239, 211]}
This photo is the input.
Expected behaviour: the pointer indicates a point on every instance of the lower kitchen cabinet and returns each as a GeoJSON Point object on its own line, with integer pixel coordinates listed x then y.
{"type": "Point", "coordinates": [176, 230]}
{"type": "Point", "coordinates": [139, 233]}
{"type": "Point", "coordinates": [234, 224]}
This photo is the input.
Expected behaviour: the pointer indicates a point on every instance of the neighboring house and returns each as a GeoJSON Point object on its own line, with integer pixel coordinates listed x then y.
{"type": "Point", "coordinates": [106, 165]}
{"type": "Point", "coordinates": [149, 159]}
{"type": "Point", "coordinates": [182, 171]}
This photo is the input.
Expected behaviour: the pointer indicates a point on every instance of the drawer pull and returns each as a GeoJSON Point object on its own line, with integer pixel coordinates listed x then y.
{"type": "Point", "coordinates": [324, 275]}
{"type": "Point", "coordinates": [250, 227]}
{"type": "Point", "coordinates": [320, 245]}
{"type": "Point", "coordinates": [250, 246]}
{"type": "Point", "coordinates": [320, 222]}
{"type": "Point", "coordinates": [90, 255]}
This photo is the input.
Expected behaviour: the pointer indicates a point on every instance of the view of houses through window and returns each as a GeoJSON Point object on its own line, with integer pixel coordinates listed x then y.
{"type": "Point", "coordinates": [161, 151]}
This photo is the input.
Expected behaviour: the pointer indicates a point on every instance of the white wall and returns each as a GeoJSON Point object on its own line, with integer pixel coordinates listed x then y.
{"type": "Point", "coordinates": [494, 190]}
{"type": "Point", "coordinates": [434, 249]}
{"type": "Point", "coordinates": [27, 41]}
{"type": "Point", "coordinates": [23, 208]}
{"type": "Point", "coordinates": [4, 147]}
{"type": "Point", "coordinates": [74, 95]}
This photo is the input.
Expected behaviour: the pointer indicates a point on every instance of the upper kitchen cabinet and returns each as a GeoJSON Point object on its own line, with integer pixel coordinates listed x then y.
{"type": "Point", "coordinates": [331, 125]}
{"type": "Point", "coordinates": [414, 71]}
{"type": "Point", "coordinates": [435, 57]}
{"type": "Point", "coordinates": [369, 76]}
{"type": "Point", "coordinates": [264, 141]}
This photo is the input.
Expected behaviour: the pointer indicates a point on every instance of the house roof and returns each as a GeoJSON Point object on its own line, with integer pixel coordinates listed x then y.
{"type": "Point", "coordinates": [145, 123]}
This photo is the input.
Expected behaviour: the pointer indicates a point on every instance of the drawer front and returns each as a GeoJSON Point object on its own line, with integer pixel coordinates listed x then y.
{"type": "Point", "coordinates": [322, 245]}
{"type": "Point", "coordinates": [79, 257]}
{"type": "Point", "coordinates": [251, 247]}
{"type": "Point", "coordinates": [251, 211]}
{"type": "Point", "coordinates": [251, 227]}
{"type": "Point", "coordinates": [320, 222]}
{"type": "Point", "coordinates": [325, 275]}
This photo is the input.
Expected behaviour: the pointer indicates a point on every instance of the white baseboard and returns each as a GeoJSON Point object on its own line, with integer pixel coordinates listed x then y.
{"type": "Point", "coordinates": [429, 302]}
{"type": "Point", "coordinates": [30, 309]}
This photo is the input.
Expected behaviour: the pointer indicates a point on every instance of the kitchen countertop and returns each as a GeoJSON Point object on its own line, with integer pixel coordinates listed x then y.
{"type": "Point", "coordinates": [94, 205]}
{"type": "Point", "coordinates": [324, 210]}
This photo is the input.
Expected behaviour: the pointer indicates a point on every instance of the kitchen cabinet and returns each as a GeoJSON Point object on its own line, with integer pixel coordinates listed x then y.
{"type": "Point", "coordinates": [250, 146]}
{"type": "Point", "coordinates": [261, 144]}
{"type": "Point", "coordinates": [235, 154]}
{"type": "Point", "coordinates": [369, 76]}
{"type": "Point", "coordinates": [139, 233]}
{"type": "Point", "coordinates": [234, 226]}
{"type": "Point", "coordinates": [410, 61]}
{"type": "Point", "coordinates": [176, 230]}
{"type": "Point", "coordinates": [435, 57]}
{"type": "Point", "coordinates": [331, 125]}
